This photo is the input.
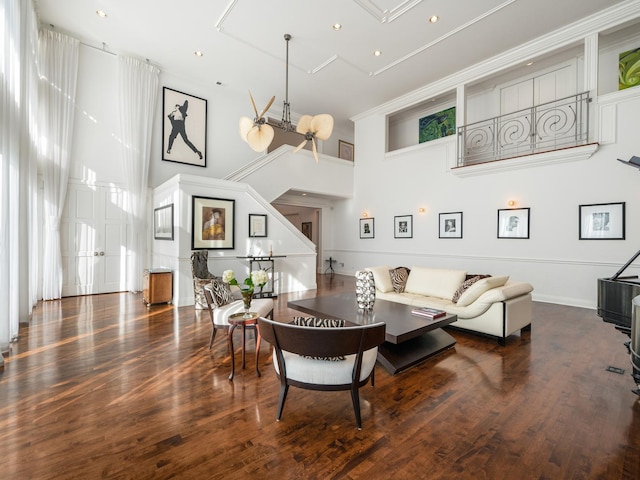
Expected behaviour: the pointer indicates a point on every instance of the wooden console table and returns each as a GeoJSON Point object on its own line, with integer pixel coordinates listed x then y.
{"type": "Point", "coordinates": [257, 263]}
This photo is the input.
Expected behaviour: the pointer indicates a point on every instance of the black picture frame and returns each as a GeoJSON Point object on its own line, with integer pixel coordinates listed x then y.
{"type": "Point", "coordinates": [163, 222]}
{"type": "Point", "coordinates": [403, 226]}
{"type": "Point", "coordinates": [219, 235]}
{"type": "Point", "coordinates": [367, 227]}
{"type": "Point", "coordinates": [602, 221]}
{"type": "Point", "coordinates": [184, 126]}
{"type": "Point", "coordinates": [345, 150]}
{"type": "Point", "coordinates": [450, 225]}
{"type": "Point", "coordinates": [307, 230]}
{"type": "Point", "coordinates": [514, 223]}
{"type": "Point", "coordinates": [257, 225]}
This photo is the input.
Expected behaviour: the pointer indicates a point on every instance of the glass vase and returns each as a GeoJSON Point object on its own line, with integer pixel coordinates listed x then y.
{"type": "Point", "coordinates": [247, 296]}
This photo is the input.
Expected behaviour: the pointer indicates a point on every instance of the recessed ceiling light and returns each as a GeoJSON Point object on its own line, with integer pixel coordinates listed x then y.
{"type": "Point", "coordinates": [198, 53]}
{"type": "Point", "coordinates": [529, 64]}
{"type": "Point", "coordinates": [337, 26]}
{"type": "Point", "coordinates": [377, 53]}
{"type": "Point", "coordinates": [434, 18]}
{"type": "Point", "coordinates": [101, 13]}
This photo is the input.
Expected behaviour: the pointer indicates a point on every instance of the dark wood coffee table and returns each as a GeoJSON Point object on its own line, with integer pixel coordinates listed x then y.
{"type": "Point", "coordinates": [410, 339]}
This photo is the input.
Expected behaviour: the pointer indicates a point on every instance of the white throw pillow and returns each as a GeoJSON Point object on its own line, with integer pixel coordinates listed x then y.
{"type": "Point", "coordinates": [474, 291]}
{"type": "Point", "coordinates": [434, 282]}
{"type": "Point", "coordinates": [382, 278]}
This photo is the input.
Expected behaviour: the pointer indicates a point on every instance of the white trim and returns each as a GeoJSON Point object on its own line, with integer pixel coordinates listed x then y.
{"type": "Point", "coordinates": [555, 157]}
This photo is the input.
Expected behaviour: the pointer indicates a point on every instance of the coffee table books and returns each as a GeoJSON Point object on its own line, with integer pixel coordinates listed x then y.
{"type": "Point", "coordinates": [428, 312]}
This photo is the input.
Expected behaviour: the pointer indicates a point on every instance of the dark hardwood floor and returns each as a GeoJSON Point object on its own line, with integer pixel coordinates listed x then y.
{"type": "Point", "coordinates": [101, 387]}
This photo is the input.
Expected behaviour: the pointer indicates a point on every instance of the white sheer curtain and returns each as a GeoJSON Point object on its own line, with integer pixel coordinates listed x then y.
{"type": "Point", "coordinates": [18, 181]}
{"type": "Point", "coordinates": [58, 62]}
{"type": "Point", "coordinates": [138, 89]}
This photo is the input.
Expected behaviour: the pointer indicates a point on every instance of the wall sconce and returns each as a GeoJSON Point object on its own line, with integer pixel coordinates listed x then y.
{"type": "Point", "coordinates": [365, 214]}
{"type": "Point", "coordinates": [512, 203]}
{"type": "Point", "coordinates": [421, 210]}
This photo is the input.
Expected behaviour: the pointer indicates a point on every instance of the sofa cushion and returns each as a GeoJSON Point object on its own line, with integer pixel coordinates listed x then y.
{"type": "Point", "coordinates": [465, 285]}
{"type": "Point", "coordinates": [307, 370]}
{"type": "Point", "coordinates": [483, 285]}
{"type": "Point", "coordinates": [320, 323]}
{"type": "Point", "coordinates": [382, 278]}
{"type": "Point", "coordinates": [221, 292]}
{"type": "Point", "coordinates": [399, 277]}
{"type": "Point", "coordinates": [434, 282]}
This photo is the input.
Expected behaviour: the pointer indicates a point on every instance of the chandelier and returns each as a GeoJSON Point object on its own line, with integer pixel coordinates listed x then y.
{"type": "Point", "coordinates": [259, 134]}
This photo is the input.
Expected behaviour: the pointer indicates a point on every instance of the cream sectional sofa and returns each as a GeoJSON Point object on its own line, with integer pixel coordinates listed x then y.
{"type": "Point", "coordinates": [494, 306]}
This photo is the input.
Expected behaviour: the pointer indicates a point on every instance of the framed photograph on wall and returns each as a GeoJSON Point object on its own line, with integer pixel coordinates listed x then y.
{"type": "Point", "coordinates": [403, 226]}
{"type": "Point", "coordinates": [367, 228]}
{"type": "Point", "coordinates": [602, 221]}
{"type": "Point", "coordinates": [513, 223]}
{"type": "Point", "coordinates": [450, 225]}
{"type": "Point", "coordinates": [307, 230]}
{"type": "Point", "coordinates": [212, 225]}
{"type": "Point", "coordinates": [345, 150]}
{"type": "Point", "coordinates": [184, 128]}
{"type": "Point", "coordinates": [163, 222]}
{"type": "Point", "coordinates": [257, 225]}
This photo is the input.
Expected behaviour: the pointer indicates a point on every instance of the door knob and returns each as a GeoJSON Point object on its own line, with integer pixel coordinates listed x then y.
{"type": "Point", "coordinates": [95, 254]}
{"type": "Point", "coordinates": [102, 254]}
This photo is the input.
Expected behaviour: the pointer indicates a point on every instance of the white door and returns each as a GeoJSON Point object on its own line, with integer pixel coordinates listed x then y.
{"type": "Point", "coordinates": [515, 132]}
{"type": "Point", "coordinates": [93, 232]}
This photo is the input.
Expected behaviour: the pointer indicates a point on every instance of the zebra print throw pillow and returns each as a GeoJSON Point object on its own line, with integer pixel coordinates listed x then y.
{"type": "Point", "coordinates": [399, 277]}
{"type": "Point", "coordinates": [221, 291]}
{"type": "Point", "coordinates": [320, 323]}
{"type": "Point", "coordinates": [464, 286]}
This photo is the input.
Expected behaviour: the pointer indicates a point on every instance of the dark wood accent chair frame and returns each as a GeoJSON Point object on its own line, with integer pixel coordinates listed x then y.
{"type": "Point", "coordinates": [322, 343]}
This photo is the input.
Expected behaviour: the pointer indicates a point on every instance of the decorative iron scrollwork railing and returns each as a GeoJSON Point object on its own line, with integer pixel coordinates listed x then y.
{"type": "Point", "coordinates": [550, 126]}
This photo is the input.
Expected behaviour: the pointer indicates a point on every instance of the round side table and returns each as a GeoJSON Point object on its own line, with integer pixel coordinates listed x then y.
{"type": "Point", "coordinates": [238, 319]}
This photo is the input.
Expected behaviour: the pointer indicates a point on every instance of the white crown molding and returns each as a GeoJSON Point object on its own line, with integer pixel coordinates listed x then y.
{"type": "Point", "coordinates": [442, 38]}
{"type": "Point", "coordinates": [570, 34]}
{"type": "Point", "coordinates": [387, 16]}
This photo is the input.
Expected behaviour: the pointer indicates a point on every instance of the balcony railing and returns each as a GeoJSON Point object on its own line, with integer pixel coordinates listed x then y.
{"type": "Point", "coordinates": [550, 126]}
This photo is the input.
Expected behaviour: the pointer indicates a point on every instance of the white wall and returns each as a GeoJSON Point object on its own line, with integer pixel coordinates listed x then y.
{"type": "Point", "coordinates": [96, 159]}
{"type": "Point", "coordinates": [295, 270]}
{"type": "Point", "coordinates": [561, 268]}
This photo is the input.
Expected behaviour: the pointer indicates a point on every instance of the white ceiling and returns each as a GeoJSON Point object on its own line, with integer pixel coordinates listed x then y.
{"type": "Point", "coordinates": [330, 72]}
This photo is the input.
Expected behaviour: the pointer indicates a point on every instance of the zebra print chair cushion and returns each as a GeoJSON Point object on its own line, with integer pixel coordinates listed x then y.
{"type": "Point", "coordinates": [221, 292]}
{"type": "Point", "coordinates": [399, 277]}
{"type": "Point", "coordinates": [320, 323]}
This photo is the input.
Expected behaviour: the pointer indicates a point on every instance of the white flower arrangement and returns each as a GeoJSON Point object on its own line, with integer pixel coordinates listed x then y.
{"type": "Point", "coordinates": [258, 278]}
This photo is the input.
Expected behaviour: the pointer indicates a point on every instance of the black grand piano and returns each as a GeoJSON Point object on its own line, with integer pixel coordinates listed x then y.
{"type": "Point", "coordinates": [615, 296]}
{"type": "Point", "coordinates": [616, 305]}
